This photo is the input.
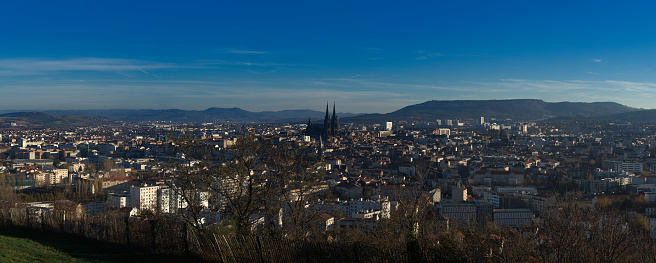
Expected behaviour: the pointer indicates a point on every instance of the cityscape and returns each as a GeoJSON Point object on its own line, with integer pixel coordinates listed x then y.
{"type": "Point", "coordinates": [326, 179]}
{"type": "Point", "coordinates": [344, 131]}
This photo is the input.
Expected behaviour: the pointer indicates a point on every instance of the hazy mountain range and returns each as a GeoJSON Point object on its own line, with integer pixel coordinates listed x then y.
{"type": "Point", "coordinates": [518, 109]}
{"type": "Point", "coordinates": [43, 120]}
{"type": "Point", "coordinates": [219, 115]}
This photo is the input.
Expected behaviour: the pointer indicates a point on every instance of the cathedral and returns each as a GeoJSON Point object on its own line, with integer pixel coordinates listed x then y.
{"type": "Point", "coordinates": [327, 130]}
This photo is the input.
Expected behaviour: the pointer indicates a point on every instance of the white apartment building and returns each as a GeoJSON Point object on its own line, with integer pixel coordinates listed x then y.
{"type": "Point", "coordinates": [388, 126]}
{"type": "Point", "coordinates": [443, 131]}
{"type": "Point", "coordinates": [354, 206]}
{"type": "Point", "coordinates": [50, 177]}
{"type": "Point", "coordinates": [56, 176]}
{"type": "Point", "coordinates": [168, 201]}
{"type": "Point", "coordinates": [144, 197]}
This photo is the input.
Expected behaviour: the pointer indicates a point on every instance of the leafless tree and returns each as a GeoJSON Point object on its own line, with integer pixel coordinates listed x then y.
{"type": "Point", "coordinates": [294, 182]}
{"type": "Point", "coordinates": [250, 180]}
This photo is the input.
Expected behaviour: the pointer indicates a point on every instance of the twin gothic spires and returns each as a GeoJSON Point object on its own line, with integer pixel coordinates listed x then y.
{"type": "Point", "coordinates": [329, 129]}
{"type": "Point", "coordinates": [330, 125]}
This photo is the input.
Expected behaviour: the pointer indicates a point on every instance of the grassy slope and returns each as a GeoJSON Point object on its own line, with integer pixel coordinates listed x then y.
{"type": "Point", "coordinates": [14, 249]}
{"type": "Point", "coordinates": [22, 245]}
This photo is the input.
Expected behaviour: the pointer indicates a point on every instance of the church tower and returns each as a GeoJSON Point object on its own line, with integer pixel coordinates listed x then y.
{"type": "Point", "coordinates": [326, 123]}
{"type": "Point", "coordinates": [333, 123]}
{"type": "Point", "coordinates": [329, 129]}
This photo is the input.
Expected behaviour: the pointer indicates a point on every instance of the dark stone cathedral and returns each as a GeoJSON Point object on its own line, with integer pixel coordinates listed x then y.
{"type": "Point", "coordinates": [329, 128]}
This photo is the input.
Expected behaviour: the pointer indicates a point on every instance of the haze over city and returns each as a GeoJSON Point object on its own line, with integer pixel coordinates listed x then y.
{"type": "Point", "coordinates": [368, 56]}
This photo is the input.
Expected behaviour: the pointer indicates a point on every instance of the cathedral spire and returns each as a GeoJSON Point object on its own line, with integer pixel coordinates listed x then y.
{"type": "Point", "coordinates": [326, 123]}
{"type": "Point", "coordinates": [333, 110]}
{"type": "Point", "coordinates": [333, 122]}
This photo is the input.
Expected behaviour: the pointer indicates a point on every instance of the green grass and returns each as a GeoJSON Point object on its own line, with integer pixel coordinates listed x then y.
{"type": "Point", "coordinates": [25, 245]}
{"type": "Point", "coordinates": [14, 249]}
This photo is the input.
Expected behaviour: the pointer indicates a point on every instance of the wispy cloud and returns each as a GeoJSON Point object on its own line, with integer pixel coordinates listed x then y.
{"type": "Point", "coordinates": [248, 52]}
{"type": "Point", "coordinates": [238, 50]}
{"type": "Point", "coordinates": [597, 60]}
{"type": "Point", "coordinates": [241, 63]}
{"type": "Point", "coordinates": [424, 55]}
{"type": "Point", "coordinates": [637, 94]}
{"type": "Point", "coordinates": [262, 95]}
{"type": "Point", "coordinates": [589, 85]}
{"type": "Point", "coordinates": [31, 66]}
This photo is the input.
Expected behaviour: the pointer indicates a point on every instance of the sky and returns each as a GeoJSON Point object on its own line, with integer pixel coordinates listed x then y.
{"type": "Point", "coordinates": [366, 56]}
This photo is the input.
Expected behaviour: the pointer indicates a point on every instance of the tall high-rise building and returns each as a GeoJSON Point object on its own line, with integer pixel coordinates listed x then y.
{"type": "Point", "coordinates": [388, 126]}
{"type": "Point", "coordinates": [482, 120]}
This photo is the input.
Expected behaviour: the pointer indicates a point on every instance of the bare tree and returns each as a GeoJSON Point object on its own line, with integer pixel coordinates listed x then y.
{"type": "Point", "coordinates": [249, 180]}
{"type": "Point", "coordinates": [8, 196]}
{"type": "Point", "coordinates": [294, 179]}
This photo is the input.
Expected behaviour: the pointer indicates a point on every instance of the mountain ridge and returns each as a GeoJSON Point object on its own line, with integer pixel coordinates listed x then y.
{"type": "Point", "coordinates": [44, 120]}
{"type": "Point", "coordinates": [213, 114]}
{"type": "Point", "coordinates": [516, 109]}
{"type": "Point", "coordinates": [429, 111]}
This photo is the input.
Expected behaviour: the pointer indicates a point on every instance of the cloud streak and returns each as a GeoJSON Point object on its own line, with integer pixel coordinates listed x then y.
{"type": "Point", "coordinates": [424, 55]}
{"type": "Point", "coordinates": [356, 93]}
{"type": "Point", "coordinates": [580, 85]}
{"type": "Point", "coordinates": [32, 66]}
{"type": "Point", "coordinates": [196, 95]}
{"type": "Point", "coordinates": [247, 52]}
{"type": "Point", "coordinates": [636, 94]}
{"type": "Point", "coordinates": [242, 63]}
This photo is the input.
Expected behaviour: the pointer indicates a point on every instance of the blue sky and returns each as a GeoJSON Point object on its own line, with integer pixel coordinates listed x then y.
{"type": "Point", "coordinates": [368, 56]}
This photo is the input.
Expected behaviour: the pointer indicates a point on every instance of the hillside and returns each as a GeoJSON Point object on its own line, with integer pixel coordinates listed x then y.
{"type": "Point", "coordinates": [43, 120]}
{"type": "Point", "coordinates": [643, 116]}
{"type": "Point", "coordinates": [219, 115]}
{"type": "Point", "coordinates": [519, 109]}
{"type": "Point", "coordinates": [516, 109]}
{"type": "Point", "coordinates": [27, 245]}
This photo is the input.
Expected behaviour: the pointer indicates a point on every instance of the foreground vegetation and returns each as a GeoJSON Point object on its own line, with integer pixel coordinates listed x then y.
{"type": "Point", "coordinates": [18, 244]}
{"type": "Point", "coordinates": [16, 249]}
{"type": "Point", "coordinates": [566, 233]}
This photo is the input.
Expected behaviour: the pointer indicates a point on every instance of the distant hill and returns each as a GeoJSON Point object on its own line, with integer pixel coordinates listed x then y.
{"type": "Point", "coordinates": [43, 120]}
{"type": "Point", "coordinates": [518, 109]}
{"type": "Point", "coordinates": [641, 116]}
{"type": "Point", "coordinates": [637, 116]}
{"type": "Point", "coordinates": [219, 115]}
